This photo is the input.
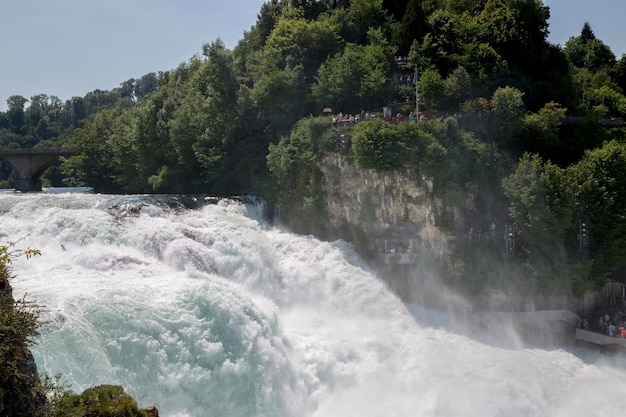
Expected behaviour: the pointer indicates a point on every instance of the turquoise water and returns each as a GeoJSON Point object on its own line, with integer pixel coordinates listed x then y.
{"type": "Point", "coordinates": [212, 312]}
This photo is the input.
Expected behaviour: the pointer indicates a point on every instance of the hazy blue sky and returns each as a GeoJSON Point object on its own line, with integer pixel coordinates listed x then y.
{"type": "Point", "coordinates": [67, 48]}
{"type": "Point", "coordinates": [606, 17]}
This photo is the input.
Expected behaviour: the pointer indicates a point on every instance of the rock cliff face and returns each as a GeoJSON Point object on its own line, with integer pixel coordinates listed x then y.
{"type": "Point", "coordinates": [402, 205]}
{"type": "Point", "coordinates": [385, 205]}
{"type": "Point", "coordinates": [400, 210]}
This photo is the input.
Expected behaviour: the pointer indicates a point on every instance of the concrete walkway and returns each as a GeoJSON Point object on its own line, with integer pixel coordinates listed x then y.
{"type": "Point", "coordinates": [600, 339]}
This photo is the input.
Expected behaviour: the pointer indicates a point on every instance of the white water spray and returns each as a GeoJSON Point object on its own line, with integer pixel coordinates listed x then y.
{"type": "Point", "coordinates": [211, 312]}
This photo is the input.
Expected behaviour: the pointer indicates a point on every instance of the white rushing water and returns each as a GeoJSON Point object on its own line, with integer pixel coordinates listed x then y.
{"type": "Point", "coordinates": [212, 312]}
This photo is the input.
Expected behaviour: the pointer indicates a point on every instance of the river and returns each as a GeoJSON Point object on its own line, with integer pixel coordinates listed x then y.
{"type": "Point", "coordinates": [210, 311]}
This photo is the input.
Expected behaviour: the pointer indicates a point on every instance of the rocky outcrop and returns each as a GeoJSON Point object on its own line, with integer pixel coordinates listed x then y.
{"type": "Point", "coordinates": [393, 204]}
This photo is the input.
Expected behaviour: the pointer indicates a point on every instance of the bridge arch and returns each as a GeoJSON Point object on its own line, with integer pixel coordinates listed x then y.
{"type": "Point", "coordinates": [30, 164]}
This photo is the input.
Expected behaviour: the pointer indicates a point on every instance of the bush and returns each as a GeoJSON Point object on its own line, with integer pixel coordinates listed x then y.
{"type": "Point", "coordinates": [20, 390]}
{"type": "Point", "coordinates": [101, 401]}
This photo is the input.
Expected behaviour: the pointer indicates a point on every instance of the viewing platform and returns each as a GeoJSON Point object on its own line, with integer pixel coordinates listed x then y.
{"type": "Point", "coordinates": [600, 339]}
{"type": "Point", "coordinates": [396, 251]}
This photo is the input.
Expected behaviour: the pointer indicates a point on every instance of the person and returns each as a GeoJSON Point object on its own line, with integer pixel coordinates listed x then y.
{"type": "Point", "coordinates": [612, 330]}
{"type": "Point", "coordinates": [493, 230]}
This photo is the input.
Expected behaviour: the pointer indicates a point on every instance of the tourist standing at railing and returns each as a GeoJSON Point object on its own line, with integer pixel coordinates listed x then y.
{"type": "Point", "coordinates": [611, 329]}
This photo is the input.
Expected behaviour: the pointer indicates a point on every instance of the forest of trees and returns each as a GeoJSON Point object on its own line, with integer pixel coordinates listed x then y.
{"type": "Point", "coordinates": [531, 125]}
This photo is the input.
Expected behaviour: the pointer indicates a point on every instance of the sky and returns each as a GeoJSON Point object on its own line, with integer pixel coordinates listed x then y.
{"type": "Point", "coordinates": [67, 48]}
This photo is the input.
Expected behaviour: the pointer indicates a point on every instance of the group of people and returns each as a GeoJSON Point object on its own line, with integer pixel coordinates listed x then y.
{"type": "Point", "coordinates": [480, 234]}
{"type": "Point", "coordinates": [608, 326]}
{"type": "Point", "coordinates": [349, 119]}
{"type": "Point", "coordinates": [342, 119]}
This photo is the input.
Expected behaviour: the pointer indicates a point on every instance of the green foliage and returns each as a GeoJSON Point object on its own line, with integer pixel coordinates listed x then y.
{"type": "Point", "coordinates": [105, 149]}
{"type": "Point", "coordinates": [380, 146]}
{"type": "Point", "coordinates": [546, 202]}
{"type": "Point", "coordinates": [101, 401]}
{"type": "Point", "coordinates": [210, 120]}
{"type": "Point", "coordinates": [612, 101]}
{"type": "Point", "coordinates": [9, 252]}
{"type": "Point", "coordinates": [285, 67]}
{"type": "Point", "coordinates": [431, 88]}
{"type": "Point", "coordinates": [543, 130]}
{"type": "Point", "coordinates": [293, 162]}
{"type": "Point", "coordinates": [383, 146]}
{"type": "Point", "coordinates": [19, 325]}
{"type": "Point", "coordinates": [56, 390]}
{"type": "Point", "coordinates": [587, 51]}
{"type": "Point", "coordinates": [361, 17]}
{"type": "Point", "coordinates": [541, 204]}
{"type": "Point", "coordinates": [457, 86]}
{"type": "Point", "coordinates": [356, 78]}
{"type": "Point", "coordinates": [508, 108]}
{"type": "Point", "coordinates": [599, 181]}
{"type": "Point", "coordinates": [413, 24]}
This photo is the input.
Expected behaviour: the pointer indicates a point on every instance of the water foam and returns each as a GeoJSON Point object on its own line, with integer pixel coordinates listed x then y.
{"type": "Point", "coordinates": [211, 312]}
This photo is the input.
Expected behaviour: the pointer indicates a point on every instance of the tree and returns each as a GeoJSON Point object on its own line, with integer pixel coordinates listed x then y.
{"type": "Point", "coordinates": [218, 86]}
{"type": "Point", "coordinates": [541, 207]}
{"type": "Point", "coordinates": [413, 26]}
{"type": "Point", "coordinates": [357, 78]}
{"type": "Point", "coordinates": [587, 51]}
{"type": "Point", "coordinates": [431, 88]}
{"type": "Point", "coordinates": [508, 109]}
{"type": "Point", "coordinates": [599, 183]}
{"type": "Point", "coordinates": [379, 145]}
{"type": "Point", "coordinates": [609, 100]}
{"type": "Point", "coordinates": [530, 30]}
{"type": "Point", "coordinates": [363, 16]}
{"type": "Point", "coordinates": [285, 67]}
{"type": "Point", "coordinates": [105, 158]}
{"type": "Point", "coordinates": [618, 73]}
{"type": "Point", "coordinates": [153, 146]}
{"type": "Point", "coordinates": [294, 42]}
{"type": "Point", "coordinates": [498, 23]}
{"type": "Point", "coordinates": [458, 86]}
{"type": "Point", "coordinates": [543, 131]}
{"type": "Point", "coordinates": [293, 162]}
{"type": "Point", "coordinates": [145, 86]}
{"type": "Point", "coordinates": [443, 45]}
{"type": "Point", "coordinates": [16, 114]}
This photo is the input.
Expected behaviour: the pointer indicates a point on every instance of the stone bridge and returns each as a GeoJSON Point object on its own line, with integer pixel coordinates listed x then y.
{"type": "Point", "coordinates": [30, 164]}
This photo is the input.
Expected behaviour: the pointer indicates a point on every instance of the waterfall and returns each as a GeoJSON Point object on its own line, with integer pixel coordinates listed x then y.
{"type": "Point", "coordinates": [206, 310]}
